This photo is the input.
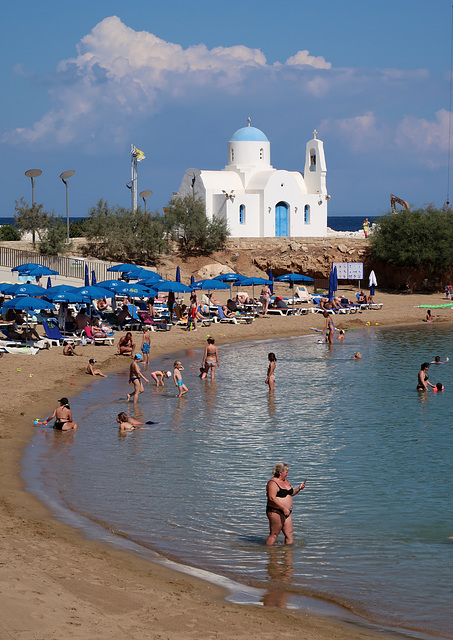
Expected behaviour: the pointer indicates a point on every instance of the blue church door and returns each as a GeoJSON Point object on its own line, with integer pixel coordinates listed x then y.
{"type": "Point", "coordinates": [281, 219]}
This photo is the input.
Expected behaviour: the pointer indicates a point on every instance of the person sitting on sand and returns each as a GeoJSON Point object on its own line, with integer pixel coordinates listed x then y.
{"type": "Point", "coordinates": [63, 417]}
{"type": "Point", "coordinates": [127, 423]}
{"type": "Point", "coordinates": [69, 348]}
{"type": "Point", "coordinates": [92, 371]}
{"type": "Point", "coordinates": [126, 346]}
{"type": "Point", "coordinates": [429, 316]}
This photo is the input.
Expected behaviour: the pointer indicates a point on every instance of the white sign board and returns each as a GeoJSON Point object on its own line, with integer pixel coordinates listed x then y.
{"type": "Point", "coordinates": [349, 270]}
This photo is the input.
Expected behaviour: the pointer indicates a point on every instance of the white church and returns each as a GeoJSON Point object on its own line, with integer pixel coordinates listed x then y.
{"type": "Point", "coordinates": [258, 200]}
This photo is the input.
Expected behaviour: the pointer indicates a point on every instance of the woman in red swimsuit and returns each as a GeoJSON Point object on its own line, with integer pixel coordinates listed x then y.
{"type": "Point", "coordinates": [280, 495]}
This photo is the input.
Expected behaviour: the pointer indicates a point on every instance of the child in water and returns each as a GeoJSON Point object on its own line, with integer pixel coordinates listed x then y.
{"type": "Point", "coordinates": [270, 380]}
{"type": "Point", "coordinates": [127, 423]}
{"type": "Point", "coordinates": [159, 377]}
{"type": "Point", "coordinates": [177, 377]}
{"type": "Point", "coordinates": [439, 387]}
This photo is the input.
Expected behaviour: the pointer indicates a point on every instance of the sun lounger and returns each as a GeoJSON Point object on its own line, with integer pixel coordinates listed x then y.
{"type": "Point", "coordinates": [281, 312]}
{"type": "Point", "coordinates": [53, 334]}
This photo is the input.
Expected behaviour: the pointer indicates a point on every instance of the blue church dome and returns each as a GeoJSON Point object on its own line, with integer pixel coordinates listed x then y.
{"type": "Point", "coordinates": [248, 134]}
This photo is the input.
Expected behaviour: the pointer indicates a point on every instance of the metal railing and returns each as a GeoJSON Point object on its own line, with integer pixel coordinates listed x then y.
{"type": "Point", "coordinates": [66, 267]}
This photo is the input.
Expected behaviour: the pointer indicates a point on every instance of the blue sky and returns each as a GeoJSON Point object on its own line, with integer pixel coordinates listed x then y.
{"type": "Point", "coordinates": [82, 81]}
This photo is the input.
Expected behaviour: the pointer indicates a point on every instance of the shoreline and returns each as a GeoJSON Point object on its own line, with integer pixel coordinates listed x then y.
{"type": "Point", "coordinates": [84, 577]}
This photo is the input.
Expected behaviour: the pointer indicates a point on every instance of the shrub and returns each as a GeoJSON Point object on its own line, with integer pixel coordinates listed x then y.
{"type": "Point", "coordinates": [422, 239]}
{"type": "Point", "coordinates": [186, 221]}
{"type": "Point", "coordinates": [9, 233]}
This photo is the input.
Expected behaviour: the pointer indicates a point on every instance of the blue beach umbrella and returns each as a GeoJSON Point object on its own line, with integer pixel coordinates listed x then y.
{"type": "Point", "coordinates": [38, 272]}
{"type": "Point", "coordinates": [251, 282]}
{"type": "Point", "coordinates": [192, 280]}
{"type": "Point", "coordinates": [294, 278]}
{"type": "Point", "coordinates": [178, 274]}
{"type": "Point", "coordinates": [138, 290]}
{"type": "Point", "coordinates": [170, 285]}
{"type": "Point", "coordinates": [94, 293]}
{"type": "Point", "coordinates": [87, 277]}
{"type": "Point", "coordinates": [28, 304]}
{"type": "Point", "coordinates": [72, 297]}
{"type": "Point", "coordinates": [21, 290]}
{"type": "Point", "coordinates": [271, 278]}
{"type": "Point", "coordinates": [59, 288]}
{"type": "Point", "coordinates": [34, 269]}
{"type": "Point", "coordinates": [93, 278]}
{"type": "Point", "coordinates": [49, 283]}
{"type": "Point", "coordinates": [128, 270]}
{"type": "Point", "coordinates": [232, 278]}
{"type": "Point", "coordinates": [333, 282]}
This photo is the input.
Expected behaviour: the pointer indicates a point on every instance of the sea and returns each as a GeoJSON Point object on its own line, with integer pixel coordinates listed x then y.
{"type": "Point", "coordinates": [338, 223]}
{"type": "Point", "coordinates": [374, 525]}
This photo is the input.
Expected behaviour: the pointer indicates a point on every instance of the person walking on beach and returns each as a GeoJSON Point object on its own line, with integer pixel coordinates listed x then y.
{"type": "Point", "coordinates": [210, 359]}
{"type": "Point", "coordinates": [366, 227]}
{"type": "Point", "coordinates": [265, 298]}
{"type": "Point", "coordinates": [177, 377]}
{"type": "Point", "coordinates": [422, 379]}
{"type": "Point", "coordinates": [63, 417]}
{"type": "Point", "coordinates": [146, 346]}
{"type": "Point", "coordinates": [92, 371]}
{"type": "Point", "coordinates": [135, 378]}
{"type": "Point", "coordinates": [270, 380]}
{"type": "Point", "coordinates": [279, 507]}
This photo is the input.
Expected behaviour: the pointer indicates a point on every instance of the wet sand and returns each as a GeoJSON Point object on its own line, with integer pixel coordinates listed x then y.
{"type": "Point", "coordinates": [57, 584]}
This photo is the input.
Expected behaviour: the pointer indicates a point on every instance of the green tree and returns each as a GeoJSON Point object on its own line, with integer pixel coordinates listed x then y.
{"type": "Point", "coordinates": [186, 221]}
{"type": "Point", "coordinates": [33, 219]}
{"type": "Point", "coordinates": [422, 239]}
{"type": "Point", "coordinates": [124, 235]}
{"type": "Point", "coordinates": [53, 242]}
{"type": "Point", "coordinates": [9, 233]}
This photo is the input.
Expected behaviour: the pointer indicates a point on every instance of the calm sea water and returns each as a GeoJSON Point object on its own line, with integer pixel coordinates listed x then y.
{"type": "Point", "coordinates": [338, 223]}
{"type": "Point", "coordinates": [373, 527]}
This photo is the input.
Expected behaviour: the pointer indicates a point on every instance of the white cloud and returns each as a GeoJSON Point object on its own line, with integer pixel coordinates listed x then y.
{"type": "Point", "coordinates": [359, 133]}
{"type": "Point", "coordinates": [426, 137]}
{"type": "Point", "coordinates": [119, 72]}
{"type": "Point", "coordinates": [302, 58]}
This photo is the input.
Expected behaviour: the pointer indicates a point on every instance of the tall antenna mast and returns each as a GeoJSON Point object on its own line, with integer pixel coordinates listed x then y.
{"type": "Point", "coordinates": [449, 111]}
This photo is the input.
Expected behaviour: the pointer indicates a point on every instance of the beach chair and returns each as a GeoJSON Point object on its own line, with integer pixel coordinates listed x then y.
{"type": "Point", "coordinates": [53, 334]}
{"type": "Point", "coordinates": [146, 319]}
{"type": "Point", "coordinates": [87, 334]}
{"type": "Point", "coordinates": [281, 312]}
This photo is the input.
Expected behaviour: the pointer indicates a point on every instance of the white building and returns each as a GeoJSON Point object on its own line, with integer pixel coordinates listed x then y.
{"type": "Point", "coordinates": [257, 200]}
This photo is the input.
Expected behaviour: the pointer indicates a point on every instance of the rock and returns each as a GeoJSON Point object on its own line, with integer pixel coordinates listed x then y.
{"type": "Point", "coordinates": [342, 248]}
{"type": "Point", "coordinates": [212, 270]}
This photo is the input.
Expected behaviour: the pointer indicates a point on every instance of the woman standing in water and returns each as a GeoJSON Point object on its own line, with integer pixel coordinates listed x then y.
{"type": "Point", "coordinates": [279, 507]}
{"type": "Point", "coordinates": [423, 382]}
{"type": "Point", "coordinates": [210, 359]}
{"type": "Point", "coordinates": [270, 380]}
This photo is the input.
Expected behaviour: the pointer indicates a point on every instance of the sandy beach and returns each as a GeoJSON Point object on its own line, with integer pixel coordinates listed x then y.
{"type": "Point", "coordinates": [57, 584]}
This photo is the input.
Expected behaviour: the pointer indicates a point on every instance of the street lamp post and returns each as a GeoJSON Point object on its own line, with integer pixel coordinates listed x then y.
{"type": "Point", "coordinates": [32, 174]}
{"type": "Point", "coordinates": [144, 195]}
{"type": "Point", "coordinates": [64, 176]}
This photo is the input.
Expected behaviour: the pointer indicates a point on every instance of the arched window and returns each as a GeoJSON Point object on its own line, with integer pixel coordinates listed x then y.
{"type": "Point", "coordinates": [261, 154]}
{"type": "Point", "coordinates": [307, 214]}
{"type": "Point", "coordinates": [312, 159]}
{"type": "Point", "coordinates": [242, 214]}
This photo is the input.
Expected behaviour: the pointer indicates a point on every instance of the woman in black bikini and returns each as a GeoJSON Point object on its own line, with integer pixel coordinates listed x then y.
{"type": "Point", "coordinates": [280, 504]}
{"type": "Point", "coordinates": [422, 378]}
{"type": "Point", "coordinates": [63, 417]}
